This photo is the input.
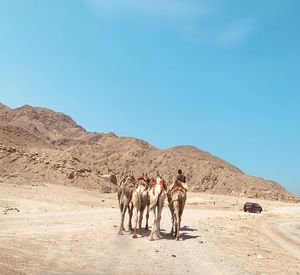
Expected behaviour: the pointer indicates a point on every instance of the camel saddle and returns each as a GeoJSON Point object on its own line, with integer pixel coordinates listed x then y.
{"type": "Point", "coordinates": [162, 184]}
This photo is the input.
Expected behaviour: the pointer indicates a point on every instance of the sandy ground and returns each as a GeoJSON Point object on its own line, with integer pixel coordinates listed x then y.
{"type": "Point", "coordinates": [51, 229]}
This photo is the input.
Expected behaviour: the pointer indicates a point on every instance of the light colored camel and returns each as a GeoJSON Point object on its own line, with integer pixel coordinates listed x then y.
{"type": "Point", "coordinates": [177, 198]}
{"type": "Point", "coordinates": [140, 200]}
{"type": "Point", "coordinates": [157, 195]}
{"type": "Point", "coordinates": [125, 191]}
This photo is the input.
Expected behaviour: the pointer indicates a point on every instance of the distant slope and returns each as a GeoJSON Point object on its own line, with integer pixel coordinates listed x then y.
{"type": "Point", "coordinates": [40, 145]}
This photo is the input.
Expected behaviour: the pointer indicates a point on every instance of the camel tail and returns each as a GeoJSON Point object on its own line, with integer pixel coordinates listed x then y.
{"type": "Point", "coordinates": [181, 203]}
{"type": "Point", "coordinates": [180, 200]}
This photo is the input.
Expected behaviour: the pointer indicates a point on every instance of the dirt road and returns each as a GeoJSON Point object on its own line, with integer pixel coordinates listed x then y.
{"type": "Point", "coordinates": [51, 229]}
{"type": "Point", "coordinates": [286, 230]}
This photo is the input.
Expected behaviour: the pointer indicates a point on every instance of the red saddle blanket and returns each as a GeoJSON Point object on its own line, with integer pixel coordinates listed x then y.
{"type": "Point", "coordinates": [161, 184]}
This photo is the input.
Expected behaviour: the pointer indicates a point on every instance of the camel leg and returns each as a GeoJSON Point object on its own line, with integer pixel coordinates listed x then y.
{"type": "Point", "coordinates": [158, 222]}
{"type": "Point", "coordinates": [147, 218]}
{"type": "Point", "coordinates": [176, 209]}
{"type": "Point", "coordinates": [123, 215]}
{"type": "Point", "coordinates": [159, 211]}
{"type": "Point", "coordinates": [181, 208]}
{"type": "Point", "coordinates": [135, 222]}
{"type": "Point", "coordinates": [172, 219]}
{"type": "Point", "coordinates": [122, 219]}
{"type": "Point", "coordinates": [119, 200]}
{"type": "Point", "coordinates": [130, 211]}
{"type": "Point", "coordinates": [178, 227]}
{"type": "Point", "coordinates": [140, 222]}
{"type": "Point", "coordinates": [153, 224]}
{"type": "Point", "coordinates": [175, 226]}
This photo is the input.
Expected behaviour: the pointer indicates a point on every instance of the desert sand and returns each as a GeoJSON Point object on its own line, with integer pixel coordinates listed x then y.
{"type": "Point", "coordinates": [54, 229]}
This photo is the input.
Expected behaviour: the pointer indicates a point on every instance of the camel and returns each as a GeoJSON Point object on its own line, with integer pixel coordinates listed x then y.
{"type": "Point", "coordinates": [125, 191]}
{"type": "Point", "coordinates": [177, 198]}
{"type": "Point", "coordinates": [157, 195]}
{"type": "Point", "coordinates": [125, 176]}
{"type": "Point", "coordinates": [140, 200]}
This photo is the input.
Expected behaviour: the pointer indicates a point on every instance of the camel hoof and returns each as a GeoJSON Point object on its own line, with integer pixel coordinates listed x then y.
{"type": "Point", "coordinates": [120, 232]}
{"type": "Point", "coordinates": [177, 239]}
{"type": "Point", "coordinates": [134, 236]}
{"type": "Point", "coordinates": [151, 239]}
{"type": "Point", "coordinates": [158, 235]}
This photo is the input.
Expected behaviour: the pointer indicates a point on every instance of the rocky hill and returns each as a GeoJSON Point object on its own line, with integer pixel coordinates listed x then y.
{"type": "Point", "coordinates": [40, 145]}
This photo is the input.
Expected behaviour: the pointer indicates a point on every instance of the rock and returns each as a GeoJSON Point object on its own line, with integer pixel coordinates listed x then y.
{"type": "Point", "coordinates": [71, 175]}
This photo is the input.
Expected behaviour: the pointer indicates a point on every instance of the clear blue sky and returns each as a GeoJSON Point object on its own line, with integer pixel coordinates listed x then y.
{"type": "Point", "coordinates": [221, 75]}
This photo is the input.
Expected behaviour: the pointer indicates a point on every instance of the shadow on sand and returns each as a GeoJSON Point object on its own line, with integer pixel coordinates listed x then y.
{"type": "Point", "coordinates": [187, 228]}
{"type": "Point", "coordinates": [184, 235]}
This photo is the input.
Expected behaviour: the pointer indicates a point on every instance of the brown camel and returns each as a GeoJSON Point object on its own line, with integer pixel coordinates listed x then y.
{"type": "Point", "coordinates": [125, 191]}
{"type": "Point", "coordinates": [177, 198]}
{"type": "Point", "coordinates": [140, 200]}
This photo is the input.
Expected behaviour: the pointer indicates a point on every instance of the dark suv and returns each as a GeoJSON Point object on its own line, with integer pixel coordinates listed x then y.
{"type": "Point", "coordinates": [252, 207]}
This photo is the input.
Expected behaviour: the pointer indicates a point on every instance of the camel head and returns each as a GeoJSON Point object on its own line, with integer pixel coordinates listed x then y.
{"type": "Point", "coordinates": [129, 180]}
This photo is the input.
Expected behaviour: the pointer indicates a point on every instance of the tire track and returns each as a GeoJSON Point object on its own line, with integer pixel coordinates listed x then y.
{"type": "Point", "coordinates": [284, 234]}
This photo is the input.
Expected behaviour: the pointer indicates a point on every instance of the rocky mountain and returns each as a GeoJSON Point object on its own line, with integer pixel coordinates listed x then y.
{"type": "Point", "coordinates": [40, 145]}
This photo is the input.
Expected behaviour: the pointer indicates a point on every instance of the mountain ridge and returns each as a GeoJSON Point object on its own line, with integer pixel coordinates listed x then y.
{"type": "Point", "coordinates": [58, 150]}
